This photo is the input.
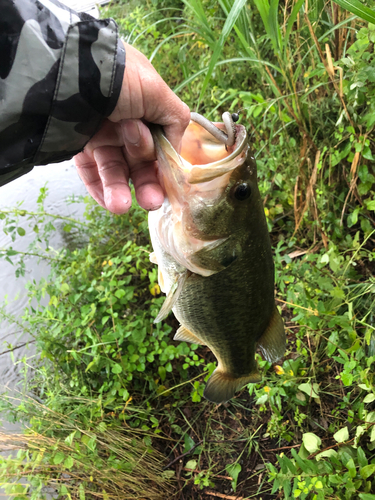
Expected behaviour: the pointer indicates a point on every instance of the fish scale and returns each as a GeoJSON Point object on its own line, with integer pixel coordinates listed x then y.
{"type": "Point", "coordinates": [219, 277]}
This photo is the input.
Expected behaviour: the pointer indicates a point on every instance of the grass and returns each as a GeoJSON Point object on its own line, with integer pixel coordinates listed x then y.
{"type": "Point", "coordinates": [78, 454]}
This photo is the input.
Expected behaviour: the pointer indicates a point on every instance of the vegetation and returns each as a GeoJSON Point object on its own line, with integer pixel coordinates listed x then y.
{"type": "Point", "coordinates": [302, 76]}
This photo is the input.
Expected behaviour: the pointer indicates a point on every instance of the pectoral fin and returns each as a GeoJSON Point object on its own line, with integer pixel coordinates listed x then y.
{"type": "Point", "coordinates": [217, 255]}
{"type": "Point", "coordinates": [153, 258]}
{"type": "Point", "coordinates": [185, 335]}
{"type": "Point", "coordinates": [221, 387]}
{"type": "Point", "coordinates": [172, 296]}
{"type": "Point", "coordinates": [273, 341]}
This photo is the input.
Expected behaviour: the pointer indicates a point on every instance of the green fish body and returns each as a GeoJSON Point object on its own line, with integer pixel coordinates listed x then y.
{"type": "Point", "coordinates": [212, 246]}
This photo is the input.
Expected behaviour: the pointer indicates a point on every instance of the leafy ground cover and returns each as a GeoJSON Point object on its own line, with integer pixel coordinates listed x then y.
{"type": "Point", "coordinates": [302, 76]}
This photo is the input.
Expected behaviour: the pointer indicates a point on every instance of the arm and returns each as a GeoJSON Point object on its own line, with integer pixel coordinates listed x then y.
{"type": "Point", "coordinates": [60, 74]}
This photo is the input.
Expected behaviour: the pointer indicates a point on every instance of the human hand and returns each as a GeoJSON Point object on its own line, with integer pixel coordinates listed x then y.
{"type": "Point", "coordinates": [123, 148]}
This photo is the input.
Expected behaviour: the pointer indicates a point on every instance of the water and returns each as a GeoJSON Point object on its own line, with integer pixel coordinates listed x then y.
{"type": "Point", "coordinates": [62, 182]}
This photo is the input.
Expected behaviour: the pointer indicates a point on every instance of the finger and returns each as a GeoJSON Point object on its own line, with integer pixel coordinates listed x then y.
{"type": "Point", "coordinates": [175, 120]}
{"type": "Point", "coordinates": [148, 191]}
{"type": "Point", "coordinates": [114, 174]}
{"type": "Point", "coordinates": [88, 171]}
{"type": "Point", "coordinates": [109, 134]}
{"type": "Point", "coordinates": [140, 156]}
{"type": "Point", "coordinates": [138, 140]}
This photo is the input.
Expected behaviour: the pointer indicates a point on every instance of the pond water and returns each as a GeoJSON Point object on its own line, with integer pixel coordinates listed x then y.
{"type": "Point", "coordinates": [62, 181]}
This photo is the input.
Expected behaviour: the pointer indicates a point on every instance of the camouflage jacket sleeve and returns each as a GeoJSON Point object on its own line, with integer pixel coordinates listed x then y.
{"type": "Point", "coordinates": [60, 75]}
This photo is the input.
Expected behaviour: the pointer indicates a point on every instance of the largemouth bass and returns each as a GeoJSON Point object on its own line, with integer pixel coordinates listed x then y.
{"type": "Point", "coordinates": [213, 251]}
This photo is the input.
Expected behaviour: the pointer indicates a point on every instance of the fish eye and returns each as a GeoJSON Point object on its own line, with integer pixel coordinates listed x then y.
{"type": "Point", "coordinates": [242, 191]}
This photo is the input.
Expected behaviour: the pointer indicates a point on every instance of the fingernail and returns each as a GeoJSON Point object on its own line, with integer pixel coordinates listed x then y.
{"type": "Point", "coordinates": [132, 133]}
{"type": "Point", "coordinates": [152, 209]}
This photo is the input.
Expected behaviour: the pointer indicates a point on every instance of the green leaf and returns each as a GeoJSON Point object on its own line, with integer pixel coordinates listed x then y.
{"type": "Point", "coordinates": [116, 368]}
{"type": "Point", "coordinates": [351, 468]}
{"type": "Point", "coordinates": [192, 464]}
{"type": "Point", "coordinates": [360, 10]}
{"type": "Point", "coordinates": [21, 231]}
{"type": "Point", "coordinates": [369, 398]}
{"type": "Point", "coordinates": [105, 319]}
{"type": "Point", "coordinates": [68, 462]}
{"type": "Point", "coordinates": [64, 287]}
{"type": "Point", "coordinates": [189, 443]}
{"type": "Point", "coordinates": [310, 390]}
{"type": "Point", "coordinates": [326, 453]}
{"type": "Point", "coordinates": [233, 470]}
{"type": "Point", "coordinates": [120, 293]}
{"type": "Point", "coordinates": [81, 491]}
{"type": "Point", "coordinates": [262, 399]}
{"type": "Point", "coordinates": [366, 496]}
{"type": "Point", "coordinates": [367, 471]}
{"type": "Point", "coordinates": [342, 435]}
{"type": "Point", "coordinates": [311, 442]}
{"type": "Point", "coordinates": [69, 439]}
{"type": "Point", "coordinates": [347, 378]}
{"type": "Point", "coordinates": [353, 217]}
{"type": "Point", "coordinates": [162, 373]}
{"type": "Point", "coordinates": [58, 458]}
{"type": "Point", "coordinates": [168, 474]}
{"type": "Point", "coordinates": [67, 228]}
{"type": "Point", "coordinates": [362, 460]}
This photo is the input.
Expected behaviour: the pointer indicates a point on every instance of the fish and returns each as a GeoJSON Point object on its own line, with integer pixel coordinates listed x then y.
{"type": "Point", "coordinates": [211, 244]}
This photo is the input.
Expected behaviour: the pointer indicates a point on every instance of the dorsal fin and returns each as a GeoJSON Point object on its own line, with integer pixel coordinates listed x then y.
{"type": "Point", "coordinates": [272, 343]}
{"type": "Point", "coordinates": [185, 335]}
{"type": "Point", "coordinates": [172, 296]}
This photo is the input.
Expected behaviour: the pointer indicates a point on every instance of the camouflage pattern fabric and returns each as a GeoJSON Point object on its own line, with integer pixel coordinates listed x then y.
{"type": "Point", "coordinates": [60, 75]}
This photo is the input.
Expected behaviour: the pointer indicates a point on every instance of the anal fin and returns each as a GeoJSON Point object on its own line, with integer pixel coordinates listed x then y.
{"type": "Point", "coordinates": [172, 296]}
{"type": "Point", "coordinates": [221, 386]}
{"type": "Point", "coordinates": [185, 335]}
{"type": "Point", "coordinates": [272, 343]}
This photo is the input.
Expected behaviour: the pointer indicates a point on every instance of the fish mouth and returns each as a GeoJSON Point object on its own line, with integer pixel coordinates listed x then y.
{"type": "Point", "coordinates": [211, 158]}
{"type": "Point", "coordinates": [202, 157]}
{"type": "Point", "coordinates": [194, 181]}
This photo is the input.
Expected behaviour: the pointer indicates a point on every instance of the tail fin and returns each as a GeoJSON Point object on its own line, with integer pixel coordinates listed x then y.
{"type": "Point", "coordinates": [273, 341]}
{"type": "Point", "coordinates": [221, 387]}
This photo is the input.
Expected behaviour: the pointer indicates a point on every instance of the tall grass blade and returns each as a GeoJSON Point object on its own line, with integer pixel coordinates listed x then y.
{"type": "Point", "coordinates": [357, 8]}
{"type": "Point", "coordinates": [228, 25]}
{"type": "Point", "coordinates": [269, 14]}
{"type": "Point", "coordinates": [242, 28]}
{"type": "Point", "coordinates": [220, 63]}
{"type": "Point", "coordinates": [201, 20]}
{"type": "Point", "coordinates": [292, 19]}
{"type": "Point", "coordinates": [275, 33]}
{"type": "Point", "coordinates": [166, 40]}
